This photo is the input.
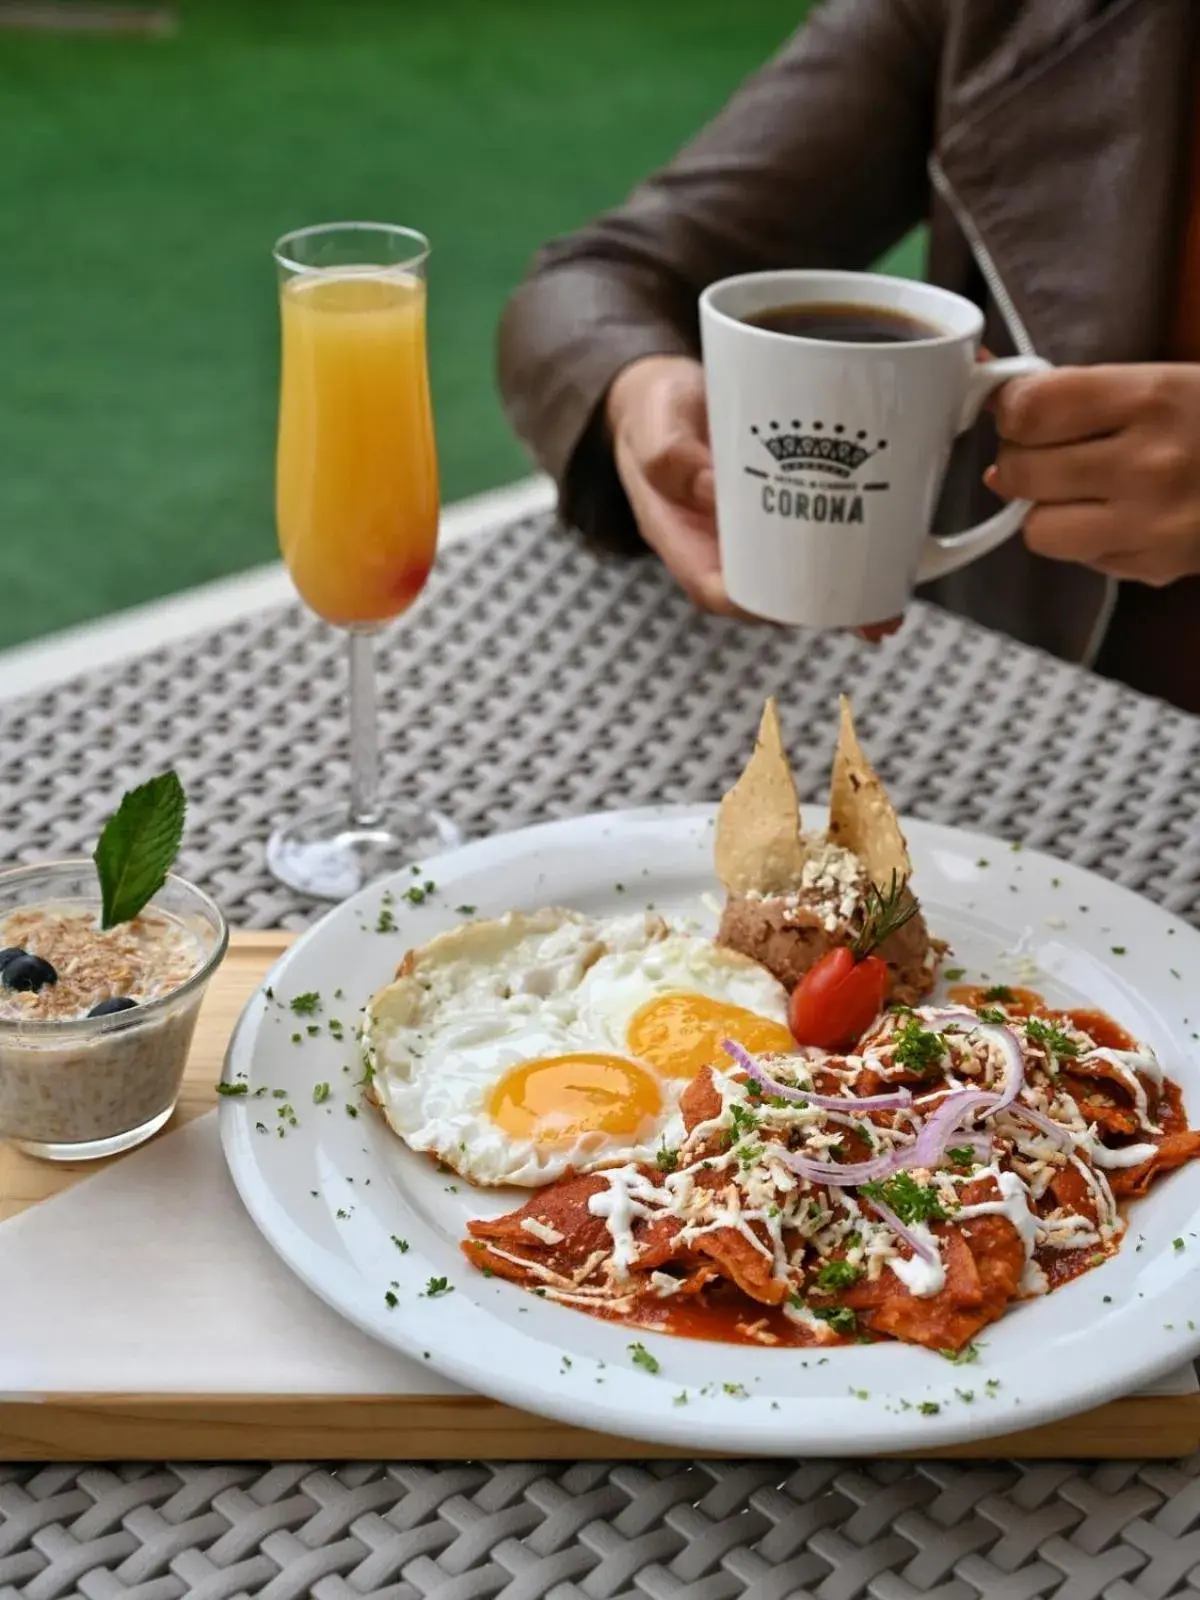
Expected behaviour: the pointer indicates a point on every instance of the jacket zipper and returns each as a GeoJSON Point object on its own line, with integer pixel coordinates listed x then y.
{"type": "Point", "coordinates": [983, 260]}
{"type": "Point", "coordinates": [1019, 334]}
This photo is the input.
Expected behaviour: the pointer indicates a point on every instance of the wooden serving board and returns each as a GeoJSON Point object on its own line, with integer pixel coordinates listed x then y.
{"type": "Point", "coordinates": [429, 1426]}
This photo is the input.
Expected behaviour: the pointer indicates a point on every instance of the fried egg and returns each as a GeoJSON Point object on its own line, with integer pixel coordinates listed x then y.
{"type": "Point", "coordinates": [516, 1048]}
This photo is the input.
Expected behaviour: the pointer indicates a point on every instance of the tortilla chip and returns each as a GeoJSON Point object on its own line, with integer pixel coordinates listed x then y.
{"type": "Point", "coordinates": [861, 817]}
{"type": "Point", "coordinates": [759, 844]}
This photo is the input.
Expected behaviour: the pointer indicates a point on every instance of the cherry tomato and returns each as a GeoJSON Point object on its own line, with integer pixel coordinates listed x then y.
{"type": "Point", "coordinates": [838, 999]}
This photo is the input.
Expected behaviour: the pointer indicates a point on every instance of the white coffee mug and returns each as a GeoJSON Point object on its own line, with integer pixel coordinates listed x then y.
{"type": "Point", "coordinates": [829, 456]}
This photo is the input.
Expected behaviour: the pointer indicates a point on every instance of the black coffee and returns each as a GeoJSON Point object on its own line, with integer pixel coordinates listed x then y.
{"type": "Point", "coordinates": [844, 324]}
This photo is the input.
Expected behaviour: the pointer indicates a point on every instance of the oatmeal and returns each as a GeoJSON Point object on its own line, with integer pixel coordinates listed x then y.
{"type": "Point", "coordinates": [96, 1024]}
{"type": "Point", "coordinates": [58, 965]}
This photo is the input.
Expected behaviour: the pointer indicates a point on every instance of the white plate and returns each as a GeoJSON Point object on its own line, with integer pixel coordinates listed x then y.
{"type": "Point", "coordinates": [333, 1192]}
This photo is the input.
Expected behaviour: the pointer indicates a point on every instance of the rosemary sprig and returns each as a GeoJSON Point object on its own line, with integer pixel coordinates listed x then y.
{"type": "Point", "coordinates": [886, 912]}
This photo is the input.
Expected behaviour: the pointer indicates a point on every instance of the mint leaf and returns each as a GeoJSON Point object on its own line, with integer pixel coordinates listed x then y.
{"type": "Point", "coordinates": [138, 845]}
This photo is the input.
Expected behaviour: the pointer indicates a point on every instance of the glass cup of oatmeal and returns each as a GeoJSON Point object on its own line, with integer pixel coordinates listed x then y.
{"type": "Point", "coordinates": [95, 1026]}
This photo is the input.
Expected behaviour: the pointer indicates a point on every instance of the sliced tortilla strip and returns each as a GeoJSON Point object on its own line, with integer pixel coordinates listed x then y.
{"type": "Point", "coordinates": [759, 845]}
{"type": "Point", "coordinates": [861, 817]}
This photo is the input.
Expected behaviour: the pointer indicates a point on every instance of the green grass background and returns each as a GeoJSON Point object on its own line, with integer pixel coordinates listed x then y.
{"type": "Point", "coordinates": [141, 184]}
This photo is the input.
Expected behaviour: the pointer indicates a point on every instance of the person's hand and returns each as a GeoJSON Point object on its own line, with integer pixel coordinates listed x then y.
{"type": "Point", "coordinates": [1110, 456]}
{"type": "Point", "coordinates": [658, 422]}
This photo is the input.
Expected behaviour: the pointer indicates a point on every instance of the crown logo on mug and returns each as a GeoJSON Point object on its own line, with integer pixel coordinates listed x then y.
{"type": "Point", "coordinates": [818, 451]}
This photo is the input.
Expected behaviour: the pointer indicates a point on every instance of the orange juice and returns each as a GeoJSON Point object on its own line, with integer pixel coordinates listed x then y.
{"type": "Point", "coordinates": [356, 484]}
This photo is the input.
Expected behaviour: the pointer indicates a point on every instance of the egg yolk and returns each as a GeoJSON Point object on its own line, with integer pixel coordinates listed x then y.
{"type": "Point", "coordinates": [561, 1097]}
{"type": "Point", "coordinates": [678, 1034]}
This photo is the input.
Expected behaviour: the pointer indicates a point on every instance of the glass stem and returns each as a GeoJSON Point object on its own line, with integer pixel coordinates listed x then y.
{"type": "Point", "coordinates": [364, 733]}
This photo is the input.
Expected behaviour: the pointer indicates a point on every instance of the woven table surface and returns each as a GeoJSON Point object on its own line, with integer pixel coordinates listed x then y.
{"type": "Point", "coordinates": [535, 681]}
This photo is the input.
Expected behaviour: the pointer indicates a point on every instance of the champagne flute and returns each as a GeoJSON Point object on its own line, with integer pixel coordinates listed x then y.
{"type": "Point", "coordinates": [356, 509]}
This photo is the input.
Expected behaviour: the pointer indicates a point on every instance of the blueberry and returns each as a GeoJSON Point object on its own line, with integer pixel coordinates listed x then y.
{"type": "Point", "coordinates": [27, 972]}
{"type": "Point", "coordinates": [119, 1002]}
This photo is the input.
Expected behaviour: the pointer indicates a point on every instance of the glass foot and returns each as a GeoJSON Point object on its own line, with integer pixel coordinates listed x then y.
{"type": "Point", "coordinates": [325, 856]}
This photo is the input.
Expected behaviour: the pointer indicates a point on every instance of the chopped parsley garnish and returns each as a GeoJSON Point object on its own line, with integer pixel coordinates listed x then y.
{"type": "Point", "coordinates": [965, 1395]}
{"type": "Point", "coordinates": [955, 974]}
{"type": "Point", "coordinates": [306, 1005]}
{"type": "Point", "coordinates": [910, 1201]}
{"type": "Point", "coordinates": [744, 1121]}
{"type": "Point", "coordinates": [335, 1029]}
{"type": "Point", "coordinates": [998, 991]}
{"type": "Point", "coordinates": [1118, 949]}
{"type": "Point", "coordinates": [992, 1014]}
{"type": "Point", "coordinates": [566, 1364]}
{"type": "Point", "coordinates": [297, 1037]}
{"type": "Point", "coordinates": [918, 1049]}
{"type": "Point", "coordinates": [929, 1408]}
{"type": "Point", "coordinates": [385, 922]}
{"type": "Point", "coordinates": [1050, 1037]}
{"type": "Point", "coordinates": [643, 1358]}
{"type": "Point", "coordinates": [401, 1245]}
{"type": "Point", "coordinates": [737, 1390]}
{"type": "Point", "coordinates": [962, 1155]}
{"type": "Point", "coordinates": [313, 1029]}
{"type": "Point", "coordinates": [391, 1299]}
{"type": "Point", "coordinates": [465, 911]}
{"type": "Point", "coordinates": [962, 1358]}
{"type": "Point", "coordinates": [321, 1093]}
{"type": "Point", "coordinates": [279, 1094]}
{"type": "Point", "coordinates": [840, 1318]}
{"type": "Point", "coordinates": [838, 1275]}
{"type": "Point", "coordinates": [414, 894]}
{"type": "Point", "coordinates": [438, 1286]}
{"type": "Point", "coordinates": [1178, 1244]}
{"type": "Point", "coordinates": [351, 1111]}
{"type": "Point", "coordinates": [666, 1158]}
{"type": "Point", "coordinates": [681, 1399]}
{"type": "Point", "coordinates": [232, 1089]}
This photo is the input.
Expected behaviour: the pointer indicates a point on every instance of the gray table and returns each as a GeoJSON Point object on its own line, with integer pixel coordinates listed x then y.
{"type": "Point", "coordinates": [536, 681]}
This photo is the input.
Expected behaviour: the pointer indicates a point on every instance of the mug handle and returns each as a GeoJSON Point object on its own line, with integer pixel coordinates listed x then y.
{"type": "Point", "coordinates": [947, 555]}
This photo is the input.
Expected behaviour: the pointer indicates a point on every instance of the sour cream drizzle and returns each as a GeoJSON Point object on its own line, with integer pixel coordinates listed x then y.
{"type": "Point", "coordinates": [759, 1198]}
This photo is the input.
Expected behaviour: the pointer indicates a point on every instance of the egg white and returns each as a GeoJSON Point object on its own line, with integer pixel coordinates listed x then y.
{"type": "Point", "coordinates": [483, 998]}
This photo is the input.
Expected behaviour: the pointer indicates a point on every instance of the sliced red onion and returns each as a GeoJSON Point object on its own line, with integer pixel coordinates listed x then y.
{"type": "Point", "coordinates": [827, 1102]}
{"type": "Point", "coordinates": [844, 1175]}
{"type": "Point", "coordinates": [914, 1241]}
{"type": "Point", "coordinates": [1009, 1046]}
{"type": "Point", "coordinates": [1053, 1130]}
{"type": "Point", "coordinates": [1005, 1040]}
{"type": "Point", "coordinates": [936, 1135]}
{"type": "Point", "coordinates": [979, 1144]}
{"type": "Point", "coordinates": [944, 1124]}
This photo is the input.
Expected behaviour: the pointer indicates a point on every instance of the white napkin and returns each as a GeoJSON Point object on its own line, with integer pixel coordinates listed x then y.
{"type": "Point", "coordinates": [150, 1278]}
